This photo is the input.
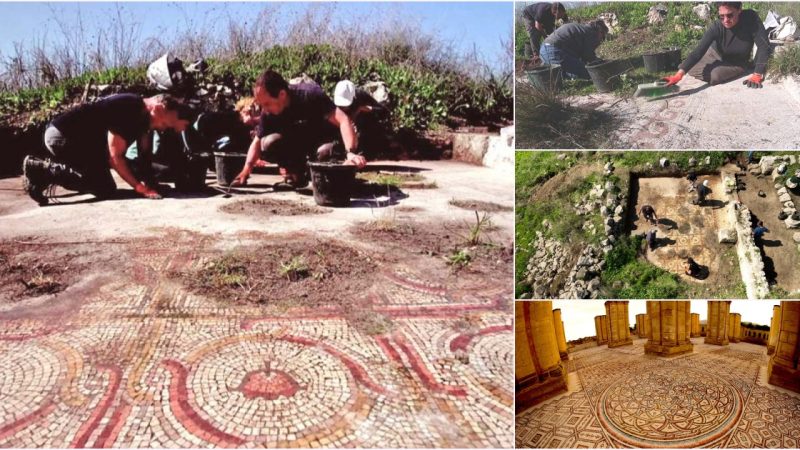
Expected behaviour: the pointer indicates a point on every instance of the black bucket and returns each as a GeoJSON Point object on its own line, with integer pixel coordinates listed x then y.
{"type": "Point", "coordinates": [228, 165]}
{"type": "Point", "coordinates": [547, 77]}
{"type": "Point", "coordinates": [663, 60]}
{"type": "Point", "coordinates": [332, 183]}
{"type": "Point", "coordinates": [605, 75]}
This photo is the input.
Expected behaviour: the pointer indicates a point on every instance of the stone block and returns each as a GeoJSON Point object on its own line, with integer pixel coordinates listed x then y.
{"type": "Point", "coordinates": [785, 198]}
{"type": "Point", "coordinates": [727, 236]}
{"type": "Point", "coordinates": [470, 147]}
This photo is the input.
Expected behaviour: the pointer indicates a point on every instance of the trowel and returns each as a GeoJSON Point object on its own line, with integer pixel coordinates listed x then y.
{"type": "Point", "coordinates": [655, 89]}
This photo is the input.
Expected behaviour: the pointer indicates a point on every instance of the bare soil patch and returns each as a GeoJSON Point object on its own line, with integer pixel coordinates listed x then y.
{"type": "Point", "coordinates": [33, 269]}
{"type": "Point", "coordinates": [304, 272]}
{"type": "Point", "coordinates": [478, 205]}
{"type": "Point", "coordinates": [265, 207]}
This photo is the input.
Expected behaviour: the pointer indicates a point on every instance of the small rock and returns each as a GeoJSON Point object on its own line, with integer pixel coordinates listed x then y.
{"type": "Point", "coordinates": [784, 198]}
{"type": "Point", "coordinates": [781, 169]}
{"type": "Point", "coordinates": [526, 296]}
{"type": "Point", "coordinates": [657, 14]}
{"type": "Point", "coordinates": [782, 190]}
{"type": "Point", "coordinates": [726, 236]}
{"type": "Point", "coordinates": [792, 223]}
{"type": "Point", "coordinates": [703, 11]}
{"type": "Point", "coordinates": [796, 237]}
{"type": "Point", "coordinates": [663, 162]}
{"type": "Point", "coordinates": [708, 160]}
{"type": "Point", "coordinates": [789, 205]}
{"type": "Point", "coordinates": [561, 156]}
{"type": "Point", "coordinates": [201, 93]}
{"type": "Point", "coordinates": [692, 161]}
{"type": "Point", "coordinates": [618, 210]}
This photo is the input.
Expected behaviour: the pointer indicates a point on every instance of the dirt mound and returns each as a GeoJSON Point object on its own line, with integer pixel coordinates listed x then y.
{"type": "Point", "coordinates": [477, 205]}
{"type": "Point", "coordinates": [309, 271]}
{"type": "Point", "coordinates": [265, 207]}
{"type": "Point", "coordinates": [33, 270]}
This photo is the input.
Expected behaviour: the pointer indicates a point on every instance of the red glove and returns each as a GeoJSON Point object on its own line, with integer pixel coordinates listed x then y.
{"type": "Point", "coordinates": [147, 192]}
{"type": "Point", "coordinates": [674, 79]}
{"type": "Point", "coordinates": [754, 81]}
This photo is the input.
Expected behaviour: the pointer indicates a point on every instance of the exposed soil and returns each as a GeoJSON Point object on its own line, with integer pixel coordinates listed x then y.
{"type": "Point", "coordinates": [265, 207]}
{"type": "Point", "coordinates": [30, 270]}
{"type": "Point", "coordinates": [556, 183]}
{"type": "Point", "coordinates": [780, 253]}
{"type": "Point", "coordinates": [302, 272]}
{"type": "Point", "coordinates": [443, 241]}
{"type": "Point", "coordinates": [477, 205]}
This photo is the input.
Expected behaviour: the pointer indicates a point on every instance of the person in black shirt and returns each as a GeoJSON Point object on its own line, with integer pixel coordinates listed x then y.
{"type": "Point", "coordinates": [649, 214]}
{"type": "Point", "coordinates": [370, 118]}
{"type": "Point", "coordinates": [573, 45]}
{"type": "Point", "coordinates": [540, 21]}
{"type": "Point", "coordinates": [297, 122]}
{"type": "Point", "coordinates": [89, 140]}
{"type": "Point", "coordinates": [723, 53]}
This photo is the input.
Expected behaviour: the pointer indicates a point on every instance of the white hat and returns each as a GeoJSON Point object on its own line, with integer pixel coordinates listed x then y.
{"type": "Point", "coordinates": [344, 93]}
{"type": "Point", "coordinates": [705, 183]}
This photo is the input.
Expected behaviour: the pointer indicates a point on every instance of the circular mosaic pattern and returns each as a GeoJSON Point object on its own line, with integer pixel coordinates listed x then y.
{"type": "Point", "coordinates": [492, 355]}
{"type": "Point", "coordinates": [28, 377]}
{"type": "Point", "coordinates": [669, 408]}
{"type": "Point", "coordinates": [271, 387]}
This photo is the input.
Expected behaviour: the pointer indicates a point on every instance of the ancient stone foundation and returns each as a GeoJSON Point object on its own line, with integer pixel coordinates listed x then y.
{"type": "Point", "coordinates": [601, 329]}
{"type": "Point", "coordinates": [774, 329]}
{"type": "Point", "coordinates": [717, 325]}
{"type": "Point", "coordinates": [695, 325]}
{"type": "Point", "coordinates": [539, 373]}
{"type": "Point", "coordinates": [783, 365]}
{"type": "Point", "coordinates": [619, 330]}
{"type": "Point", "coordinates": [734, 327]}
{"type": "Point", "coordinates": [670, 328]}
{"type": "Point", "coordinates": [561, 338]}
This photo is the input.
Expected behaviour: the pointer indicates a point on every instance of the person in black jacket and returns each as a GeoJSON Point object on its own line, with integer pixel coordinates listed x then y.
{"type": "Point", "coordinates": [723, 53]}
{"type": "Point", "coordinates": [573, 46]}
{"type": "Point", "coordinates": [540, 21]}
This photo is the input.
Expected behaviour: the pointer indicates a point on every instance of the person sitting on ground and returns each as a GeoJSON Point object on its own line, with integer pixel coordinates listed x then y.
{"type": "Point", "coordinates": [758, 232]}
{"type": "Point", "coordinates": [702, 192]}
{"type": "Point", "coordinates": [90, 139]}
{"type": "Point", "coordinates": [298, 123]}
{"type": "Point", "coordinates": [723, 53]}
{"type": "Point", "coordinates": [540, 21]}
{"type": "Point", "coordinates": [649, 214]}
{"type": "Point", "coordinates": [691, 268]}
{"type": "Point", "coordinates": [573, 46]}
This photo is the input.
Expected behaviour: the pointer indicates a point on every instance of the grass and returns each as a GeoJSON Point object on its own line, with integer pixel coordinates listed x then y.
{"type": "Point", "coordinates": [680, 159]}
{"type": "Point", "coordinates": [229, 271]}
{"type": "Point", "coordinates": [628, 276]}
{"type": "Point", "coordinates": [294, 269]}
{"type": "Point", "coordinates": [459, 259]}
{"type": "Point", "coordinates": [545, 120]}
{"type": "Point", "coordinates": [785, 63]}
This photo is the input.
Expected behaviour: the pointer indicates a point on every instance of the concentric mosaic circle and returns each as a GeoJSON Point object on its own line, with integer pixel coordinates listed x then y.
{"type": "Point", "coordinates": [271, 387]}
{"type": "Point", "coordinates": [28, 378]}
{"type": "Point", "coordinates": [669, 408]}
{"type": "Point", "coordinates": [492, 355]}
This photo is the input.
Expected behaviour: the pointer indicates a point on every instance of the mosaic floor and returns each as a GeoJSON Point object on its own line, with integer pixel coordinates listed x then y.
{"type": "Point", "coordinates": [137, 361]}
{"type": "Point", "coordinates": [714, 397]}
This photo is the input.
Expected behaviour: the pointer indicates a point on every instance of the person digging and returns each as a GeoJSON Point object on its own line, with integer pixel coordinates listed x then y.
{"type": "Point", "coordinates": [723, 53]}
{"type": "Point", "coordinates": [369, 117]}
{"type": "Point", "coordinates": [540, 22]}
{"type": "Point", "coordinates": [691, 268]}
{"type": "Point", "coordinates": [572, 46]}
{"type": "Point", "coordinates": [702, 192]}
{"type": "Point", "coordinates": [90, 139]}
{"type": "Point", "coordinates": [649, 214]}
{"type": "Point", "coordinates": [298, 123]}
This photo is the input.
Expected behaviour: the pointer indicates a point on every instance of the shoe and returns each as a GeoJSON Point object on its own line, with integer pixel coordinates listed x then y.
{"type": "Point", "coordinates": [34, 179]}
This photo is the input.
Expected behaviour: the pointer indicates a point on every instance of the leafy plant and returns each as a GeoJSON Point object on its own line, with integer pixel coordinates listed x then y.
{"type": "Point", "coordinates": [295, 269]}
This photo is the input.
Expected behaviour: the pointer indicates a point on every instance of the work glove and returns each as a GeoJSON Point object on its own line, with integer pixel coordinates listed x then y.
{"type": "Point", "coordinates": [673, 79]}
{"type": "Point", "coordinates": [754, 81]}
{"type": "Point", "coordinates": [147, 192]}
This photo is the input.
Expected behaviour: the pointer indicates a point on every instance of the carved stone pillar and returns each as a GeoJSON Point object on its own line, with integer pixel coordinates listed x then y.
{"type": "Point", "coordinates": [734, 327]}
{"type": "Point", "coordinates": [601, 329]}
{"type": "Point", "coordinates": [561, 338]}
{"type": "Point", "coordinates": [695, 325]}
{"type": "Point", "coordinates": [774, 329]}
{"type": "Point", "coordinates": [619, 328]}
{"type": "Point", "coordinates": [669, 328]}
{"type": "Point", "coordinates": [539, 373]}
{"type": "Point", "coordinates": [783, 365]}
{"type": "Point", "coordinates": [717, 324]}
{"type": "Point", "coordinates": [642, 326]}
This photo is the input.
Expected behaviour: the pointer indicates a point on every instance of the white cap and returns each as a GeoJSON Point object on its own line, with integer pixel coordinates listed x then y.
{"type": "Point", "coordinates": [705, 183]}
{"type": "Point", "coordinates": [344, 93]}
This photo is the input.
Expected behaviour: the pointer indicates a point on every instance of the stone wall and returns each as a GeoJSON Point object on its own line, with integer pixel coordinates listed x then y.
{"type": "Point", "coordinates": [751, 265]}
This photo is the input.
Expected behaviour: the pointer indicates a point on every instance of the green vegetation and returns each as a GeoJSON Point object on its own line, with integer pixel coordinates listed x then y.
{"type": "Point", "coordinates": [786, 62]}
{"type": "Point", "coordinates": [459, 259]}
{"type": "Point", "coordinates": [679, 159]}
{"type": "Point", "coordinates": [628, 276]}
{"type": "Point", "coordinates": [294, 269]}
{"type": "Point", "coordinates": [423, 96]}
{"type": "Point", "coordinates": [229, 271]}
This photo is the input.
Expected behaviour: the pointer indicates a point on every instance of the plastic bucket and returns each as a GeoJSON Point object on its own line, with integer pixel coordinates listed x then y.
{"type": "Point", "coordinates": [674, 57]}
{"type": "Point", "coordinates": [605, 75]}
{"type": "Point", "coordinates": [663, 60]}
{"type": "Point", "coordinates": [228, 165]}
{"type": "Point", "coordinates": [547, 77]}
{"type": "Point", "coordinates": [332, 183]}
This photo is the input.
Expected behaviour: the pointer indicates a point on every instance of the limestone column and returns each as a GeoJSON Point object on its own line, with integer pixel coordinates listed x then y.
{"type": "Point", "coordinates": [774, 329]}
{"type": "Point", "coordinates": [601, 330]}
{"type": "Point", "coordinates": [561, 338]}
{"type": "Point", "coordinates": [783, 365]}
{"type": "Point", "coordinates": [717, 324]}
{"type": "Point", "coordinates": [734, 327]}
{"type": "Point", "coordinates": [669, 328]}
{"type": "Point", "coordinates": [619, 328]}
{"type": "Point", "coordinates": [539, 373]}
{"type": "Point", "coordinates": [641, 327]}
{"type": "Point", "coordinates": [695, 325]}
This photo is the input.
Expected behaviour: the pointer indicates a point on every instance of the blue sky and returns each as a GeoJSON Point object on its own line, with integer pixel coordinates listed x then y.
{"type": "Point", "coordinates": [478, 24]}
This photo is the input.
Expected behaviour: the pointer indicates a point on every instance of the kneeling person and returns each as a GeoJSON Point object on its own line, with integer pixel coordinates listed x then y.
{"type": "Point", "coordinates": [298, 123]}
{"type": "Point", "coordinates": [89, 140]}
